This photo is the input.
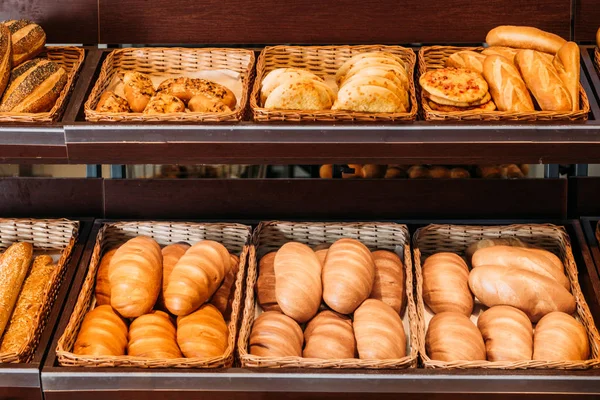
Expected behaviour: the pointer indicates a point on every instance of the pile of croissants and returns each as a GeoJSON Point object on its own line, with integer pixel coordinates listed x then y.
{"type": "Point", "coordinates": [363, 294]}
{"type": "Point", "coordinates": [529, 299]}
{"type": "Point", "coordinates": [141, 282]}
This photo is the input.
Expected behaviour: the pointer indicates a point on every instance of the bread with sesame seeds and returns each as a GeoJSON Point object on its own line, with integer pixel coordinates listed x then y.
{"type": "Point", "coordinates": [138, 90]}
{"type": "Point", "coordinates": [186, 88]}
{"type": "Point", "coordinates": [28, 40]}
{"type": "Point", "coordinates": [5, 57]}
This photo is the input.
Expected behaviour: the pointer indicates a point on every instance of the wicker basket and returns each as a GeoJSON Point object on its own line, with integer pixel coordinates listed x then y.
{"type": "Point", "coordinates": [324, 61]}
{"type": "Point", "coordinates": [270, 236]}
{"type": "Point", "coordinates": [51, 236]}
{"type": "Point", "coordinates": [434, 57]}
{"type": "Point", "coordinates": [456, 238]}
{"type": "Point", "coordinates": [71, 59]}
{"type": "Point", "coordinates": [597, 59]}
{"type": "Point", "coordinates": [234, 237]}
{"type": "Point", "coordinates": [169, 62]}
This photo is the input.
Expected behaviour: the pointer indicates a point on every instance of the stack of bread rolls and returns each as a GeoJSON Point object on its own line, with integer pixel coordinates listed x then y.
{"type": "Point", "coordinates": [173, 95]}
{"type": "Point", "coordinates": [177, 299]}
{"type": "Point", "coordinates": [524, 69]}
{"type": "Point", "coordinates": [395, 171]}
{"type": "Point", "coordinates": [527, 300]}
{"type": "Point", "coordinates": [347, 298]}
{"type": "Point", "coordinates": [27, 84]}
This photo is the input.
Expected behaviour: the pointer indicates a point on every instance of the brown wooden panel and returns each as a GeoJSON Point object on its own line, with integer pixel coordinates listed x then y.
{"type": "Point", "coordinates": [65, 21]}
{"type": "Point", "coordinates": [51, 197]}
{"type": "Point", "coordinates": [587, 20]}
{"type": "Point", "coordinates": [342, 199]}
{"type": "Point", "coordinates": [309, 21]}
{"type": "Point", "coordinates": [584, 196]}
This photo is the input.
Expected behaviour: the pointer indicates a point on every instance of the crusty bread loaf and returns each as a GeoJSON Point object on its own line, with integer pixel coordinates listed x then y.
{"type": "Point", "coordinates": [506, 85]}
{"type": "Point", "coordinates": [452, 336]}
{"type": "Point", "coordinates": [560, 337]}
{"type": "Point", "coordinates": [467, 59]}
{"type": "Point", "coordinates": [14, 265]}
{"type": "Point", "coordinates": [507, 332]}
{"type": "Point", "coordinates": [536, 295]}
{"type": "Point", "coordinates": [111, 102]}
{"type": "Point", "coordinates": [524, 37]}
{"type": "Point", "coordinates": [507, 52]}
{"type": "Point", "coordinates": [28, 40]}
{"type": "Point", "coordinates": [34, 87]}
{"type": "Point", "coordinates": [543, 80]}
{"type": "Point", "coordinates": [457, 85]}
{"type": "Point", "coordinates": [5, 57]}
{"type": "Point", "coordinates": [445, 284]}
{"type": "Point", "coordinates": [567, 65]}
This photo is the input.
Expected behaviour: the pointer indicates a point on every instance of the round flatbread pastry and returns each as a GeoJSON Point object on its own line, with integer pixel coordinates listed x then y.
{"type": "Point", "coordinates": [445, 102]}
{"type": "Point", "coordinates": [455, 85]}
{"type": "Point", "coordinates": [348, 64]}
{"type": "Point", "coordinates": [489, 106]}
{"type": "Point", "coordinates": [399, 77]}
{"type": "Point", "coordinates": [279, 75]}
{"type": "Point", "coordinates": [300, 94]}
{"type": "Point", "coordinates": [368, 99]}
{"type": "Point", "coordinates": [376, 81]}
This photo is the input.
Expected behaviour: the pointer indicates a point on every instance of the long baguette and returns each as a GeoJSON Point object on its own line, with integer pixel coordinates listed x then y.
{"type": "Point", "coordinates": [22, 323]}
{"type": "Point", "coordinates": [524, 37]}
{"type": "Point", "coordinates": [14, 264]}
{"type": "Point", "coordinates": [567, 63]}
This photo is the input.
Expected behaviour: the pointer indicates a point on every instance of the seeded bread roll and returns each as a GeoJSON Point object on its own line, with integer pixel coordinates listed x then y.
{"type": "Point", "coordinates": [164, 103]}
{"type": "Point", "coordinates": [28, 40]}
{"type": "Point", "coordinates": [186, 88]}
{"type": "Point", "coordinates": [111, 102]}
{"type": "Point", "coordinates": [138, 90]}
{"type": "Point", "coordinates": [5, 57]}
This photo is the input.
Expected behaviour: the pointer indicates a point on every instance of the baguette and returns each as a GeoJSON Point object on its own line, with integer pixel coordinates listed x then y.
{"type": "Point", "coordinates": [566, 63]}
{"type": "Point", "coordinates": [506, 86]}
{"type": "Point", "coordinates": [14, 264]}
{"type": "Point", "coordinates": [23, 322]}
{"type": "Point", "coordinates": [544, 81]}
{"type": "Point", "coordinates": [5, 57]}
{"type": "Point", "coordinates": [467, 59]}
{"type": "Point", "coordinates": [524, 37]}
{"type": "Point", "coordinates": [506, 52]}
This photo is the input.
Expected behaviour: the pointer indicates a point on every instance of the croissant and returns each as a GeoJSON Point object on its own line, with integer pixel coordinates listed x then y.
{"type": "Point", "coordinates": [203, 334]}
{"type": "Point", "coordinates": [388, 285]}
{"type": "Point", "coordinates": [329, 335]}
{"type": "Point", "coordinates": [276, 335]}
{"type": "Point", "coordinates": [153, 336]}
{"type": "Point", "coordinates": [379, 331]}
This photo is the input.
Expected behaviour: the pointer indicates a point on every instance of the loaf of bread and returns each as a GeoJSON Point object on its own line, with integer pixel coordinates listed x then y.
{"type": "Point", "coordinates": [348, 275]}
{"type": "Point", "coordinates": [22, 324]}
{"type": "Point", "coordinates": [209, 93]}
{"type": "Point", "coordinates": [171, 254]}
{"type": "Point", "coordinates": [507, 52]}
{"type": "Point", "coordinates": [28, 40]}
{"type": "Point", "coordinates": [207, 104]}
{"type": "Point", "coordinates": [163, 103]}
{"type": "Point", "coordinates": [445, 284]}
{"type": "Point", "coordinates": [102, 333]}
{"type": "Point", "coordinates": [524, 37]}
{"type": "Point", "coordinates": [379, 331]}
{"type": "Point", "coordinates": [567, 65]}
{"type": "Point", "coordinates": [560, 337]}
{"type": "Point", "coordinates": [203, 334]}
{"type": "Point", "coordinates": [138, 90]}
{"type": "Point", "coordinates": [223, 297]}
{"type": "Point", "coordinates": [537, 261]}
{"type": "Point", "coordinates": [33, 87]}
{"type": "Point", "coordinates": [507, 332]}
{"type": "Point", "coordinates": [265, 284]}
{"type": "Point", "coordinates": [544, 81]}
{"type": "Point", "coordinates": [329, 335]}
{"type": "Point", "coordinates": [102, 282]}
{"type": "Point", "coordinates": [5, 57]}
{"type": "Point", "coordinates": [153, 336]}
{"type": "Point", "coordinates": [534, 294]}
{"type": "Point", "coordinates": [388, 285]}
{"type": "Point", "coordinates": [300, 94]}
{"type": "Point", "coordinates": [506, 85]}
{"type": "Point", "coordinates": [279, 75]}
{"type": "Point", "coordinates": [111, 102]}
{"type": "Point", "coordinates": [14, 265]}
{"type": "Point", "coordinates": [276, 335]}
{"type": "Point", "coordinates": [362, 60]}
{"type": "Point", "coordinates": [598, 37]}
{"type": "Point", "coordinates": [451, 336]}
{"type": "Point", "coordinates": [484, 243]}
{"type": "Point", "coordinates": [298, 281]}
{"type": "Point", "coordinates": [467, 59]}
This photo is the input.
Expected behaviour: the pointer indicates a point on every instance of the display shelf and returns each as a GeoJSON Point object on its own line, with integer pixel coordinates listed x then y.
{"type": "Point", "coordinates": [22, 381]}
{"type": "Point", "coordinates": [132, 383]}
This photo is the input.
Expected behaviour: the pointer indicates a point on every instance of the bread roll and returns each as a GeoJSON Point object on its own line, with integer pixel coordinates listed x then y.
{"type": "Point", "coordinates": [524, 37]}
{"type": "Point", "coordinates": [534, 294]}
{"type": "Point", "coordinates": [460, 104]}
{"type": "Point", "coordinates": [223, 297]}
{"type": "Point", "coordinates": [506, 85]}
{"type": "Point", "coordinates": [33, 87]}
{"type": "Point", "coordinates": [567, 65]}
{"type": "Point", "coordinates": [485, 107]}
{"type": "Point", "coordinates": [418, 172]}
{"type": "Point", "coordinates": [329, 335]}
{"type": "Point", "coordinates": [456, 85]}
{"type": "Point", "coordinates": [394, 172]}
{"type": "Point", "coordinates": [102, 282]}
{"type": "Point", "coordinates": [544, 81]}
{"type": "Point", "coordinates": [368, 98]}
{"type": "Point", "coordinates": [5, 57]}
{"type": "Point", "coordinates": [560, 337]}
{"type": "Point", "coordinates": [135, 277]}
{"type": "Point", "coordinates": [452, 336]}
{"type": "Point", "coordinates": [467, 59]}
{"type": "Point", "coordinates": [206, 103]}
{"type": "Point", "coordinates": [348, 275]}
{"type": "Point", "coordinates": [349, 64]}
{"type": "Point", "coordinates": [187, 88]}
{"type": "Point", "coordinates": [138, 89]}
{"type": "Point", "coordinates": [276, 335]}
{"type": "Point", "coordinates": [23, 323]}
{"type": "Point", "coordinates": [507, 332]}
{"type": "Point", "coordinates": [14, 265]}
{"type": "Point", "coordinates": [439, 172]}
{"type": "Point", "coordinates": [102, 333]}
{"type": "Point", "coordinates": [513, 171]}
{"type": "Point", "coordinates": [163, 103]}
{"type": "Point", "coordinates": [388, 285]}
{"type": "Point", "coordinates": [298, 281]}
{"type": "Point", "coordinates": [484, 243]}
{"type": "Point", "coordinates": [445, 284]}
{"type": "Point", "coordinates": [279, 75]}
{"type": "Point", "coordinates": [459, 173]}
{"type": "Point", "coordinates": [203, 334]}
{"type": "Point", "coordinates": [265, 284]}
{"type": "Point", "coordinates": [357, 173]}
{"type": "Point", "coordinates": [153, 336]}
{"type": "Point", "coordinates": [507, 52]}
{"type": "Point", "coordinates": [110, 102]}
{"type": "Point", "coordinates": [28, 40]}
{"type": "Point", "coordinates": [321, 255]}
{"type": "Point", "coordinates": [379, 331]}
{"type": "Point", "coordinates": [300, 94]}
{"type": "Point", "coordinates": [514, 257]}
{"type": "Point", "coordinates": [373, 171]}
{"type": "Point", "coordinates": [196, 276]}
{"type": "Point", "coordinates": [171, 254]}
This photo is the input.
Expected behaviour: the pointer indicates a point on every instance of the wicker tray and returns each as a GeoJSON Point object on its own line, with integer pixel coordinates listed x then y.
{"type": "Point", "coordinates": [434, 57]}
{"type": "Point", "coordinates": [270, 236]}
{"type": "Point", "coordinates": [234, 237]}
{"type": "Point", "coordinates": [71, 59]}
{"type": "Point", "coordinates": [456, 238]}
{"type": "Point", "coordinates": [55, 237]}
{"type": "Point", "coordinates": [324, 61]}
{"type": "Point", "coordinates": [170, 62]}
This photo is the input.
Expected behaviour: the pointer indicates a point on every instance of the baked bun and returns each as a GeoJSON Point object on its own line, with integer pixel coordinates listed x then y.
{"type": "Point", "coordinates": [453, 337]}
{"type": "Point", "coordinates": [110, 102]}
{"type": "Point", "coordinates": [467, 59]}
{"type": "Point", "coordinates": [506, 85]}
{"type": "Point", "coordinates": [446, 284]}
{"type": "Point", "coordinates": [560, 337]}
{"type": "Point", "coordinates": [186, 88]}
{"type": "Point", "coordinates": [368, 98]}
{"type": "Point", "coordinates": [507, 52]}
{"type": "Point", "coordinates": [395, 74]}
{"type": "Point", "coordinates": [567, 65]}
{"type": "Point", "coordinates": [205, 103]}
{"type": "Point", "coordinates": [379, 331]}
{"type": "Point", "coordinates": [456, 85]}
{"type": "Point", "coordinates": [203, 333]}
{"type": "Point", "coordinates": [276, 335]}
{"type": "Point", "coordinates": [34, 87]}
{"type": "Point", "coordinates": [138, 90]}
{"type": "Point", "coordinates": [153, 336]}
{"type": "Point", "coordinates": [329, 335]}
{"type": "Point", "coordinates": [598, 37]}
{"type": "Point", "coordinates": [507, 332]}
{"type": "Point", "coordinates": [361, 80]}
{"type": "Point", "coordinates": [5, 57]}
{"type": "Point", "coordinates": [265, 284]}
{"type": "Point", "coordinates": [389, 66]}
{"type": "Point", "coordinates": [279, 75]}
{"type": "Point", "coordinates": [102, 333]}
{"type": "Point", "coordinates": [163, 103]}
{"type": "Point", "coordinates": [442, 101]}
{"type": "Point", "coordinates": [489, 106]}
{"type": "Point", "coordinates": [28, 40]}
{"type": "Point", "coordinates": [300, 94]}
{"type": "Point", "coordinates": [484, 243]}
{"type": "Point", "coordinates": [388, 285]}
{"type": "Point", "coordinates": [524, 37]}
{"type": "Point", "coordinates": [363, 60]}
